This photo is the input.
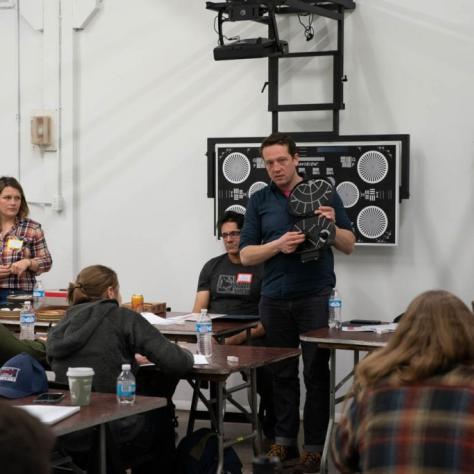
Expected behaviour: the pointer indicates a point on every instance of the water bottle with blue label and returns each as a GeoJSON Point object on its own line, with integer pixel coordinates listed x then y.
{"type": "Point", "coordinates": [204, 334]}
{"type": "Point", "coordinates": [38, 295]}
{"type": "Point", "coordinates": [27, 322]}
{"type": "Point", "coordinates": [126, 386]}
{"type": "Point", "coordinates": [335, 310]}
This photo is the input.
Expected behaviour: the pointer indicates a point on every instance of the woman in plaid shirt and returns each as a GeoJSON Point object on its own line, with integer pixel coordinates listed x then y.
{"type": "Point", "coordinates": [413, 408]}
{"type": "Point", "coordinates": [23, 250]}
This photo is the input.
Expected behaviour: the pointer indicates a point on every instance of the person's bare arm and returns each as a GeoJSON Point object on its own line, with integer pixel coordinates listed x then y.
{"type": "Point", "coordinates": [345, 240]}
{"type": "Point", "coordinates": [24, 264]}
{"type": "Point", "coordinates": [241, 337]}
{"type": "Point", "coordinates": [202, 300]}
{"type": "Point", "coordinates": [256, 254]}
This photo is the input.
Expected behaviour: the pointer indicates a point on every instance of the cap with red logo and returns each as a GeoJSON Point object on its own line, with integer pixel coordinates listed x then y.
{"type": "Point", "coordinates": [22, 376]}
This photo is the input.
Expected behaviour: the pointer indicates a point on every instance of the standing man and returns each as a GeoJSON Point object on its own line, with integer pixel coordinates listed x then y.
{"type": "Point", "coordinates": [294, 300]}
{"type": "Point", "coordinates": [226, 286]}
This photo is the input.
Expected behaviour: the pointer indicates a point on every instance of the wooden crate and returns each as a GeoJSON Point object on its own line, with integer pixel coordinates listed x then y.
{"type": "Point", "coordinates": [155, 308]}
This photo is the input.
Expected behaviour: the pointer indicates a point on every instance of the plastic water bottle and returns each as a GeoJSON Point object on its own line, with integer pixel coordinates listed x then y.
{"type": "Point", "coordinates": [126, 386]}
{"type": "Point", "coordinates": [27, 322]}
{"type": "Point", "coordinates": [204, 334]}
{"type": "Point", "coordinates": [335, 310]}
{"type": "Point", "coordinates": [38, 295]}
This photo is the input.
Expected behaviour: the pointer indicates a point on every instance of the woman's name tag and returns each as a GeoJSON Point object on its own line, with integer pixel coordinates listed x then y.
{"type": "Point", "coordinates": [14, 244]}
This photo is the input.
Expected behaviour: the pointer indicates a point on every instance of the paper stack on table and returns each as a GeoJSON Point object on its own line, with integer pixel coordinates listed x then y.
{"type": "Point", "coordinates": [378, 328]}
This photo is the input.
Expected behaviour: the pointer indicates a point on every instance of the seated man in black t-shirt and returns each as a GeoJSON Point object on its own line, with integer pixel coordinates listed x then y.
{"type": "Point", "coordinates": [225, 286]}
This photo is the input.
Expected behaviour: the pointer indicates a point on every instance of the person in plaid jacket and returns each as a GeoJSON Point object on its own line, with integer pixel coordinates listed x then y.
{"type": "Point", "coordinates": [413, 406]}
{"type": "Point", "coordinates": [23, 250]}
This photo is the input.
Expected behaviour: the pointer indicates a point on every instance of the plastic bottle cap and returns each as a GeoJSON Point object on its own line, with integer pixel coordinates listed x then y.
{"type": "Point", "coordinates": [126, 367]}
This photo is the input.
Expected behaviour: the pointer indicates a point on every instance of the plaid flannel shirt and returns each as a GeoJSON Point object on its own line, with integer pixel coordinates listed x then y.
{"type": "Point", "coordinates": [424, 428]}
{"type": "Point", "coordinates": [33, 246]}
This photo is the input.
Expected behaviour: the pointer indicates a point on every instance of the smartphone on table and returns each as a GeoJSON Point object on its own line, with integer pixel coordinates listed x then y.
{"type": "Point", "coordinates": [50, 397]}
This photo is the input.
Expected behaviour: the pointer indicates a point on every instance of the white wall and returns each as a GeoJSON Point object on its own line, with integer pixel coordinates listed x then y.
{"type": "Point", "coordinates": [142, 93]}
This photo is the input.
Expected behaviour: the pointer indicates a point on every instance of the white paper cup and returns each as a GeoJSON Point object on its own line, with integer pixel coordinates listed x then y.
{"type": "Point", "coordinates": [80, 384]}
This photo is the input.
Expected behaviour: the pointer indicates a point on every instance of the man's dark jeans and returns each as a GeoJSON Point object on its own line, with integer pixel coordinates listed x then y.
{"type": "Point", "coordinates": [284, 321]}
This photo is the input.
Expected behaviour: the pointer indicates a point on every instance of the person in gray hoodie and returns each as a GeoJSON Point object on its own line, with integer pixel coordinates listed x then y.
{"type": "Point", "coordinates": [97, 332]}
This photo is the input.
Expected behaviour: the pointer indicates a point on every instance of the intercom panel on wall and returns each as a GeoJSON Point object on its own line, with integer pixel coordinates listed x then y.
{"type": "Point", "coordinates": [366, 172]}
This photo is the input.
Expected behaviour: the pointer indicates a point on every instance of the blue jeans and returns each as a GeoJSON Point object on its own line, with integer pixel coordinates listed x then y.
{"type": "Point", "coordinates": [284, 321]}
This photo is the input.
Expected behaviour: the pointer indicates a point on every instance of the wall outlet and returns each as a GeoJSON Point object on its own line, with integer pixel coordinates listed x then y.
{"type": "Point", "coordinates": [57, 203]}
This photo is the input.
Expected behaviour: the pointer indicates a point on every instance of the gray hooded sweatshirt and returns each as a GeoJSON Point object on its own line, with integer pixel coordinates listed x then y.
{"type": "Point", "coordinates": [103, 335]}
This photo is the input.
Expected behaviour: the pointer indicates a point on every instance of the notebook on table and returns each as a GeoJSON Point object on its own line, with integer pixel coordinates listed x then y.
{"type": "Point", "coordinates": [49, 414]}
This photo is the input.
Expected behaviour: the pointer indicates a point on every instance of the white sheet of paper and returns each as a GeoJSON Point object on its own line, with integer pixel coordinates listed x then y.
{"type": "Point", "coordinates": [49, 414]}
{"type": "Point", "coordinates": [195, 316]}
{"type": "Point", "coordinates": [159, 321]}
{"type": "Point", "coordinates": [200, 359]}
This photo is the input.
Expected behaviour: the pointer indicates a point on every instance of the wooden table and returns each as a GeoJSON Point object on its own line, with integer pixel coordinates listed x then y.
{"type": "Point", "coordinates": [218, 371]}
{"type": "Point", "coordinates": [336, 339]}
{"type": "Point", "coordinates": [103, 409]}
{"type": "Point", "coordinates": [185, 332]}
{"type": "Point", "coordinates": [220, 328]}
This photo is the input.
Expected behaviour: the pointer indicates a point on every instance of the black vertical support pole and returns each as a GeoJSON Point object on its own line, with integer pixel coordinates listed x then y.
{"type": "Point", "coordinates": [273, 82]}
{"type": "Point", "coordinates": [273, 79]}
{"type": "Point", "coordinates": [338, 73]}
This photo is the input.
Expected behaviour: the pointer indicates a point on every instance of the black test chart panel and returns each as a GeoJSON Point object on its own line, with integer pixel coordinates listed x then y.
{"type": "Point", "coordinates": [366, 175]}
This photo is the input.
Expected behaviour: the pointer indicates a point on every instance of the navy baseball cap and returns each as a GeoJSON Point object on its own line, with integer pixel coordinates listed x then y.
{"type": "Point", "coordinates": [22, 376]}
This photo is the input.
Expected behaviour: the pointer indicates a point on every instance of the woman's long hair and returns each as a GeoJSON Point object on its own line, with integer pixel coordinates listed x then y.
{"type": "Point", "coordinates": [435, 334]}
{"type": "Point", "coordinates": [91, 284]}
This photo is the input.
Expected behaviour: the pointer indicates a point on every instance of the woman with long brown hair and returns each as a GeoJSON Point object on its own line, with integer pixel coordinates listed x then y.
{"type": "Point", "coordinates": [23, 250]}
{"type": "Point", "coordinates": [413, 407]}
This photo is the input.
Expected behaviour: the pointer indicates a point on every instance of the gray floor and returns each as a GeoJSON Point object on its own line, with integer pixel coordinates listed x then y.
{"type": "Point", "coordinates": [244, 449]}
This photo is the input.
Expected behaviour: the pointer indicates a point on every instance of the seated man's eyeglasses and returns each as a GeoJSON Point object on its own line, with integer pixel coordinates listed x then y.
{"type": "Point", "coordinates": [233, 234]}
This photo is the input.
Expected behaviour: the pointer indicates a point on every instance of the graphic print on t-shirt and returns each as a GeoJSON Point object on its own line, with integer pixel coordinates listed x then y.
{"type": "Point", "coordinates": [228, 285]}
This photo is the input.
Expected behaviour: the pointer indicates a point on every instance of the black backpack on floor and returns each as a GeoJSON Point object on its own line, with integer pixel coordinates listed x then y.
{"type": "Point", "coordinates": [197, 454]}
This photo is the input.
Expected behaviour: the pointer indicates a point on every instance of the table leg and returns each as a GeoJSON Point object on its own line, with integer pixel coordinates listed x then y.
{"type": "Point", "coordinates": [220, 411]}
{"type": "Point", "coordinates": [332, 412]}
{"type": "Point", "coordinates": [192, 412]}
{"type": "Point", "coordinates": [257, 440]}
{"type": "Point", "coordinates": [102, 450]}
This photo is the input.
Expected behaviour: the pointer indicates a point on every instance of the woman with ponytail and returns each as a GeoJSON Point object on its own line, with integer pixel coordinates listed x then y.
{"type": "Point", "coordinates": [97, 332]}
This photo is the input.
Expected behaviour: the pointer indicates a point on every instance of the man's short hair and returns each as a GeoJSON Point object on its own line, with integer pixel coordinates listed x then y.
{"type": "Point", "coordinates": [278, 138]}
{"type": "Point", "coordinates": [231, 216]}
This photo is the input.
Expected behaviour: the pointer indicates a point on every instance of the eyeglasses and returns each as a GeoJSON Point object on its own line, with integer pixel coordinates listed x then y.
{"type": "Point", "coordinates": [233, 233]}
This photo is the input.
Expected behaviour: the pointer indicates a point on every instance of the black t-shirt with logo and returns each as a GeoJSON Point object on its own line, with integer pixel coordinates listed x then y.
{"type": "Point", "coordinates": [234, 288]}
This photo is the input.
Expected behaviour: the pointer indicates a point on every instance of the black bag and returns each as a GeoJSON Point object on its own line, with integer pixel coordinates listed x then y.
{"type": "Point", "coordinates": [197, 454]}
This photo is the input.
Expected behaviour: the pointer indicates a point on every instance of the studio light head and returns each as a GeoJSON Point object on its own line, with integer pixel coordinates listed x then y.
{"type": "Point", "coordinates": [250, 48]}
{"type": "Point", "coordinates": [247, 10]}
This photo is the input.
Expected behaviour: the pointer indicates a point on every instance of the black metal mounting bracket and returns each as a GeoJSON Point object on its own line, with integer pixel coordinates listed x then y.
{"type": "Point", "coordinates": [265, 12]}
